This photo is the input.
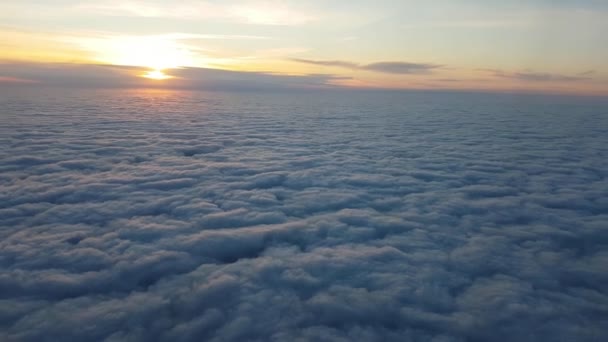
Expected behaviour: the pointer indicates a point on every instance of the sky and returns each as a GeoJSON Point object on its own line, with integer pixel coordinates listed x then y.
{"type": "Point", "coordinates": [515, 46]}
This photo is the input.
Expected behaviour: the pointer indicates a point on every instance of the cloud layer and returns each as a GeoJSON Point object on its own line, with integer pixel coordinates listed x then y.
{"type": "Point", "coordinates": [188, 216]}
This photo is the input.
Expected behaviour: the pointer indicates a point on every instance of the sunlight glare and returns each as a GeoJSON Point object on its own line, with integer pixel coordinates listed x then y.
{"type": "Point", "coordinates": [156, 75]}
{"type": "Point", "coordinates": [154, 52]}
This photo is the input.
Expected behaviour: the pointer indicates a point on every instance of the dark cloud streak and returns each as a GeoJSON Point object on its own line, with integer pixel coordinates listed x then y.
{"type": "Point", "coordinates": [399, 68]}
{"type": "Point", "coordinates": [341, 64]}
{"type": "Point", "coordinates": [112, 76]}
{"type": "Point", "coordinates": [533, 76]}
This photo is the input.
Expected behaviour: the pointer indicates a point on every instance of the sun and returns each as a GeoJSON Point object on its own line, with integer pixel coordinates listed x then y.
{"type": "Point", "coordinates": [156, 74]}
{"type": "Point", "coordinates": [156, 53]}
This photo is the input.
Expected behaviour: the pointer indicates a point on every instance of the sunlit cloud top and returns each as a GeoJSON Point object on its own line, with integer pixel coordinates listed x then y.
{"type": "Point", "coordinates": [535, 45]}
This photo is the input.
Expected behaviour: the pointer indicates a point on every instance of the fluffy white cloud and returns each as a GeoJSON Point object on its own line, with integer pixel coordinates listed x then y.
{"type": "Point", "coordinates": [178, 216]}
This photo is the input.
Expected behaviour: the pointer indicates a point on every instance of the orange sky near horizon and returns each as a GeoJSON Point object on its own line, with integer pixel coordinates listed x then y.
{"type": "Point", "coordinates": [534, 46]}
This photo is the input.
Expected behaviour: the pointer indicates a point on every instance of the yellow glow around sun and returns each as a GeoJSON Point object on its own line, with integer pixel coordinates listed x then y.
{"type": "Point", "coordinates": [156, 75]}
{"type": "Point", "coordinates": [154, 52]}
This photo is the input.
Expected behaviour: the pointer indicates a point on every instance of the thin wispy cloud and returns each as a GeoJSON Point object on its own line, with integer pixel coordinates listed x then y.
{"type": "Point", "coordinates": [587, 73]}
{"type": "Point", "coordinates": [330, 63]}
{"type": "Point", "coordinates": [400, 67]}
{"type": "Point", "coordinates": [214, 36]}
{"type": "Point", "coordinates": [276, 52]}
{"type": "Point", "coordinates": [533, 76]}
{"type": "Point", "coordinates": [382, 67]}
{"type": "Point", "coordinates": [251, 12]}
{"type": "Point", "coordinates": [468, 24]}
{"type": "Point", "coordinates": [270, 13]}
